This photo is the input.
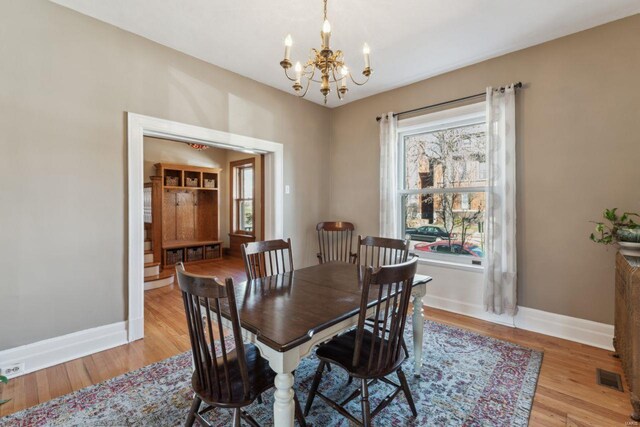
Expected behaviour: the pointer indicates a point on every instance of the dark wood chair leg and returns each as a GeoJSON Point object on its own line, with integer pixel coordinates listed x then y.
{"type": "Point", "coordinates": [328, 367]}
{"type": "Point", "coordinates": [195, 406]}
{"type": "Point", "coordinates": [314, 388]}
{"type": "Point", "coordinates": [366, 409]}
{"type": "Point", "coordinates": [299, 415]}
{"type": "Point", "coordinates": [350, 380]}
{"type": "Point", "coordinates": [404, 347]}
{"type": "Point", "coordinates": [236, 417]}
{"type": "Point", "coordinates": [407, 392]}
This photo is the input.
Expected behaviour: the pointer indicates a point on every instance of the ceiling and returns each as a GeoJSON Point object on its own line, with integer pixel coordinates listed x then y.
{"type": "Point", "coordinates": [410, 40]}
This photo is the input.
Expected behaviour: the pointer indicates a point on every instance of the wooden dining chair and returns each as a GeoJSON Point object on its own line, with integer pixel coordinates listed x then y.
{"type": "Point", "coordinates": [372, 355]}
{"type": "Point", "coordinates": [267, 258]}
{"type": "Point", "coordinates": [223, 377]}
{"type": "Point", "coordinates": [379, 251]}
{"type": "Point", "coordinates": [335, 241]}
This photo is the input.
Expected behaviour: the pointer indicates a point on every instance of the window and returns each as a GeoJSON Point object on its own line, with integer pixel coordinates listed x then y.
{"type": "Point", "coordinates": [242, 184]}
{"type": "Point", "coordinates": [443, 183]}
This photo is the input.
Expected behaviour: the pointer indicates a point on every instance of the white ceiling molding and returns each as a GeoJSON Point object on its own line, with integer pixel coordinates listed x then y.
{"type": "Point", "coordinates": [410, 40]}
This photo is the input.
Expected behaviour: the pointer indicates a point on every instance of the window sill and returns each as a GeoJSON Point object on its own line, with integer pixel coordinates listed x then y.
{"type": "Point", "coordinates": [451, 265]}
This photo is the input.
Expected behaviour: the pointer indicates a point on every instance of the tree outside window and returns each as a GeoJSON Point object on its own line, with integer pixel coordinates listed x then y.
{"type": "Point", "coordinates": [444, 184]}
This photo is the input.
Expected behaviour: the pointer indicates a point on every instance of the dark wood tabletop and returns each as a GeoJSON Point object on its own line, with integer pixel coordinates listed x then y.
{"type": "Point", "coordinates": [287, 309]}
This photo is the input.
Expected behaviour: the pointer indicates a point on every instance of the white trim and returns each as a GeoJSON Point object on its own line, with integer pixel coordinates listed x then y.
{"type": "Point", "coordinates": [451, 117]}
{"type": "Point", "coordinates": [556, 325]}
{"type": "Point", "coordinates": [569, 328]}
{"type": "Point", "coordinates": [137, 127]}
{"type": "Point", "coordinates": [433, 260]}
{"type": "Point", "coordinates": [53, 351]}
{"type": "Point", "coordinates": [467, 309]}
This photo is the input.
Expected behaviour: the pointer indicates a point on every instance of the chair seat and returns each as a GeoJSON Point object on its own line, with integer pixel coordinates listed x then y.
{"type": "Point", "coordinates": [261, 378]}
{"type": "Point", "coordinates": [340, 350]}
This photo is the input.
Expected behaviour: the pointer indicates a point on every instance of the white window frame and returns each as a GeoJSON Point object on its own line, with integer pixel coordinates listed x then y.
{"type": "Point", "coordinates": [454, 117]}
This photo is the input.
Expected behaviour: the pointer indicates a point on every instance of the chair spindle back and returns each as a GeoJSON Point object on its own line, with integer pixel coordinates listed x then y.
{"type": "Point", "coordinates": [203, 296]}
{"type": "Point", "coordinates": [391, 285]}
{"type": "Point", "coordinates": [335, 241]}
{"type": "Point", "coordinates": [267, 258]}
{"type": "Point", "coordinates": [379, 251]}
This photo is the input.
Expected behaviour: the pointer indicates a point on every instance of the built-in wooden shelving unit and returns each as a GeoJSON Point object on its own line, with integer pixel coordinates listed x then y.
{"type": "Point", "coordinates": [189, 219]}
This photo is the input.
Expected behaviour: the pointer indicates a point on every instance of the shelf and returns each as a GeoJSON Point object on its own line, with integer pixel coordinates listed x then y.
{"type": "Point", "coordinates": [172, 187]}
{"type": "Point", "coordinates": [175, 244]}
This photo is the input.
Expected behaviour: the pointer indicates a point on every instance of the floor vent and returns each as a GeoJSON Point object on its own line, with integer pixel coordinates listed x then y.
{"type": "Point", "coordinates": [609, 379]}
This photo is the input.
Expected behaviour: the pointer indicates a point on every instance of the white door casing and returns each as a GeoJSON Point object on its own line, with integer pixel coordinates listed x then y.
{"type": "Point", "coordinates": [139, 126]}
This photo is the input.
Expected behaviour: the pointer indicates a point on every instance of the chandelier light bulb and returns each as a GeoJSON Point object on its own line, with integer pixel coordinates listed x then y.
{"type": "Point", "coordinates": [298, 69]}
{"type": "Point", "coordinates": [366, 51]}
{"type": "Point", "coordinates": [326, 27]}
{"type": "Point", "coordinates": [343, 84]}
{"type": "Point", "coordinates": [326, 34]}
{"type": "Point", "coordinates": [287, 48]}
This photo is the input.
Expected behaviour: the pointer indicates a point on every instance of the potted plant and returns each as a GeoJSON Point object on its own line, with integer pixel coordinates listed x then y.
{"type": "Point", "coordinates": [620, 229]}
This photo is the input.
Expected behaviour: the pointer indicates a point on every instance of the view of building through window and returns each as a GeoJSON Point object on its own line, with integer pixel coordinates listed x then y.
{"type": "Point", "coordinates": [243, 198]}
{"type": "Point", "coordinates": [444, 186]}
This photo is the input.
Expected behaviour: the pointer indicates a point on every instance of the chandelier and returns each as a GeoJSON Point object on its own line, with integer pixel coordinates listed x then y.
{"type": "Point", "coordinates": [328, 64]}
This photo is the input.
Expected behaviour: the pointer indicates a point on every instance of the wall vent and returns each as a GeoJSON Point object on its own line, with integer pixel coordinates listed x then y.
{"type": "Point", "coordinates": [609, 379]}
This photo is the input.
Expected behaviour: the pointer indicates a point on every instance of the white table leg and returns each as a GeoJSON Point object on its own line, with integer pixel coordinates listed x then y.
{"type": "Point", "coordinates": [283, 405]}
{"type": "Point", "coordinates": [418, 333]}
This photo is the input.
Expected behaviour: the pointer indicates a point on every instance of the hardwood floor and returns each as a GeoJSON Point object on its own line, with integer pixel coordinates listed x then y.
{"type": "Point", "coordinates": [567, 393]}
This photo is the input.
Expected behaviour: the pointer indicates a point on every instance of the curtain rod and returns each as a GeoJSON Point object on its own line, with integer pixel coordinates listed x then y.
{"type": "Point", "coordinates": [439, 104]}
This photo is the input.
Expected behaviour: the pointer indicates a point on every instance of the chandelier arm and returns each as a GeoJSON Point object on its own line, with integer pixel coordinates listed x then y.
{"type": "Point", "coordinates": [359, 84]}
{"type": "Point", "coordinates": [338, 90]}
{"type": "Point", "coordinates": [333, 72]}
{"type": "Point", "coordinates": [287, 74]}
{"type": "Point", "coordinates": [308, 84]}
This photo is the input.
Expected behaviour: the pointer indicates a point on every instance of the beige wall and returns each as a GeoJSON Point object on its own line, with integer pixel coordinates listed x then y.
{"type": "Point", "coordinates": [66, 81]}
{"type": "Point", "coordinates": [578, 152]}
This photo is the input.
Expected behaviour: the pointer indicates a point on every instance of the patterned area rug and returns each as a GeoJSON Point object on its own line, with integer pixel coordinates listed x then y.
{"type": "Point", "coordinates": [467, 380]}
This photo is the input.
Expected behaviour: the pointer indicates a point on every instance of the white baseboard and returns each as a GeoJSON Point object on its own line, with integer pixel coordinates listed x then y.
{"type": "Point", "coordinates": [569, 328]}
{"type": "Point", "coordinates": [467, 309]}
{"type": "Point", "coordinates": [556, 325]}
{"type": "Point", "coordinates": [53, 351]}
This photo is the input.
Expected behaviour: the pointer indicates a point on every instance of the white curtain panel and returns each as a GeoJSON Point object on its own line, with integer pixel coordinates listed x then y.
{"type": "Point", "coordinates": [500, 270]}
{"type": "Point", "coordinates": [388, 176]}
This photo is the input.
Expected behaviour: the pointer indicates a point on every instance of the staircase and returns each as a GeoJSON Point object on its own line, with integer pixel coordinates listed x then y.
{"type": "Point", "coordinates": [154, 275]}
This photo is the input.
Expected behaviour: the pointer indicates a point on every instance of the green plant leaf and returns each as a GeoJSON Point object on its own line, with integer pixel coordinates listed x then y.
{"type": "Point", "coordinates": [4, 379]}
{"type": "Point", "coordinates": [3, 401]}
{"type": "Point", "coordinates": [610, 214]}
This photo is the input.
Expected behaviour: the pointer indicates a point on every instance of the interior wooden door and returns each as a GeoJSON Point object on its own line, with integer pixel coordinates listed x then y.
{"type": "Point", "coordinates": [186, 216]}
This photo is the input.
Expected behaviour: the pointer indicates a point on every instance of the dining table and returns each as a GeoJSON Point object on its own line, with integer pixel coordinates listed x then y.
{"type": "Point", "coordinates": [286, 315]}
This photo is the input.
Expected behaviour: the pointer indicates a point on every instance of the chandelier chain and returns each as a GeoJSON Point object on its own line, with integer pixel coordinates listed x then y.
{"type": "Point", "coordinates": [325, 10]}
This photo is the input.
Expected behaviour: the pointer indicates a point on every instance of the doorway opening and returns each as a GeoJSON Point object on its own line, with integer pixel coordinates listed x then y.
{"type": "Point", "coordinates": [194, 193]}
{"type": "Point", "coordinates": [200, 204]}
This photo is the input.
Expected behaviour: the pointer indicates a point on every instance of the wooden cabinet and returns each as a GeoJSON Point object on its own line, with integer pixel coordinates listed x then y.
{"type": "Point", "coordinates": [189, 219]}
{"type": "Point", "coordinates": [627, 324]}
